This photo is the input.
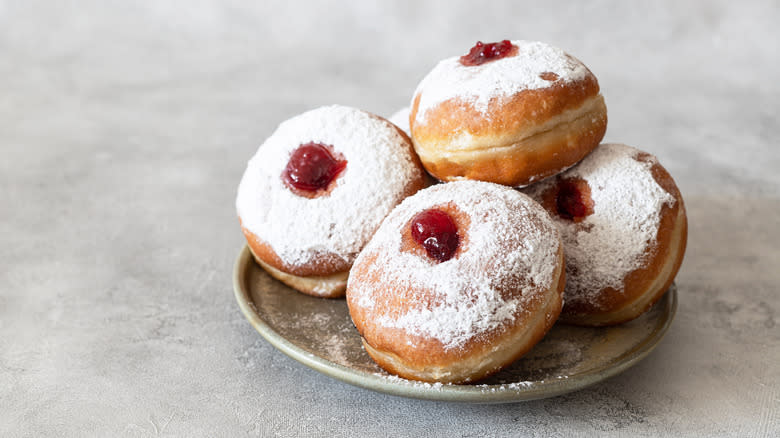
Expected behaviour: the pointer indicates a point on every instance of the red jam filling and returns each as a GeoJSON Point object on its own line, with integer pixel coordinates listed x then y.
{"type": "Point", "coordinates": [437, 233]}
{"type": "Point", "coordinates": [573, 201]}
{"type": "Point", "coordinates": [482, 53]}
{"type": "Point", "coordinates": [312, 167]}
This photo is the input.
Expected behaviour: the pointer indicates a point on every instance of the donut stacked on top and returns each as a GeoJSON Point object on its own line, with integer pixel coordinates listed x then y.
{"type": "Point", "coordinates": [462, 278]}
{"type": "Point", "coordinates": [512, 113]}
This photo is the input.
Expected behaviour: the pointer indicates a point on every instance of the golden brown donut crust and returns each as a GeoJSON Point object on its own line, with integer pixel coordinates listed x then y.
{"type": "Point", "coordinates": [644, 286]}
{"type": "Point", "coordinates": [418, 357]}
{"type": "Point", "coordinates": [520, 139]}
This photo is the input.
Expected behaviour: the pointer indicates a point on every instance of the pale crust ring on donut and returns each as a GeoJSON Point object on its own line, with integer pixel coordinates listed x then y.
{"type": "Point", "coordinates": [326, 286]}
{"type": "Point", "coordinates": [521, 139]}
{"type": "Point", "coordinates": [324, 278]}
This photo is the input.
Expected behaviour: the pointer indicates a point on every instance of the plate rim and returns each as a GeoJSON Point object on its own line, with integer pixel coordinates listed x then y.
{"type": "Point", "coordinates": [468, 393]}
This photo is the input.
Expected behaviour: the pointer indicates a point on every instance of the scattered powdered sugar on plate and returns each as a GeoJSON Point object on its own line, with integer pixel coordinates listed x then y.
{"type": "Point", "coordinates": [514, 386]}
{"type": "Point", "coordinates": [400, 119]}
{"type": "Point", "coordinates": [504, 250]}
{"type": "Point", "coordinates": [396, 379]}
{"type": "Point", "coordinates": [379, 168]}
{"type": "Point", "coordinates": [612, 241]}
{"type": "Point", "coordinates": [484, 388]}
{"type": "Point", "coordinates": [479, 84]}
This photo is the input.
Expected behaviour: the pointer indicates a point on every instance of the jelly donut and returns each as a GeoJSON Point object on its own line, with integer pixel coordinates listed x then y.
{"type": "Point", "coordinates": [316, 191]}
{"type": "Point", "coordinates": [459, 281]}
{"type": "Point", "coordinates": [624, 230]}
{"type": "Point", "coordinates": [512, 113]}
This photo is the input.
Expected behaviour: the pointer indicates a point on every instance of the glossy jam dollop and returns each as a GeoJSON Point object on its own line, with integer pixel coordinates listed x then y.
{"type": "Point", "coordinates": [482, 53]}
{"type": "Point", "coordinates": [312, 167]}
{"type": "Point", "coordinates": [573, 201]}
{"type": "Point", "coordinates": [436, 231]}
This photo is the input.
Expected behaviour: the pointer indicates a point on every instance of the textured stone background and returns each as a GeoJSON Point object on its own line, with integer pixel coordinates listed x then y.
{"type": "Point", "coordinates": [124, 130]}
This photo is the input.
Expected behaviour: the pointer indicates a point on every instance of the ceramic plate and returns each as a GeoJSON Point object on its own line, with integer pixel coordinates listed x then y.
{"type": "Point", "coordinates": [319, 333]}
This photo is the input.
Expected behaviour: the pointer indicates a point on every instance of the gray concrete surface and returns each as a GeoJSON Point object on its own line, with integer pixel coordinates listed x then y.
{"type": "Point", "coordinates": [124, 130]}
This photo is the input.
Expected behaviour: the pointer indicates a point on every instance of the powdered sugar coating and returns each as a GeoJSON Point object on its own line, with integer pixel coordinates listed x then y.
{"type": "Point", "coordinates": [479, 85]}
{"type": "Point", "coordinates": [380, 167]}
{"type": "Point", "coordinates": [614, 240]}
{"type": "Point", "coordinates": [510, 254]}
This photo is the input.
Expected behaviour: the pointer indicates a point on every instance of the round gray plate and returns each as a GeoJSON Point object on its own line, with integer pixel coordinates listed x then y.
{"type": "Point", "coordinates": [319, 333]}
